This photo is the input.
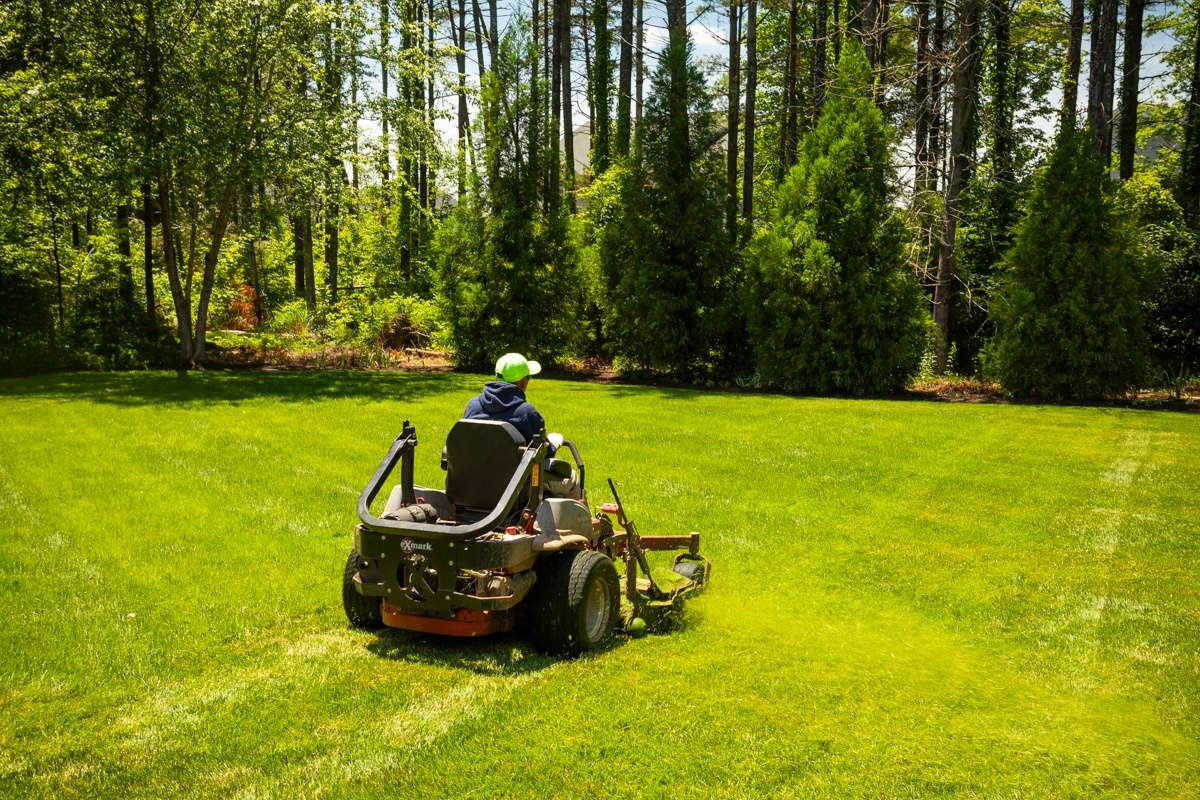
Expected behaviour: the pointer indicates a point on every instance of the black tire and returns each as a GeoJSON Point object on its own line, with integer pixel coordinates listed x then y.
{"type": "Point", "coordinates": [576, 602]}
{"type": "Point", "coordinates": [363, 612]}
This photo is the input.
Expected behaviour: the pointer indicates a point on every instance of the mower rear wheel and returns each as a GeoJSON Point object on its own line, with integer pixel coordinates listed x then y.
{"type": "Point", "coordinates": [576, 602]}
{"type": "Point", "coordinates": [363, 612]}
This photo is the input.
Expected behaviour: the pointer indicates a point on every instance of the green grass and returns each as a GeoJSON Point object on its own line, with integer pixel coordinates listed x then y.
{"type": "Point", "coordinates": [909, 599]}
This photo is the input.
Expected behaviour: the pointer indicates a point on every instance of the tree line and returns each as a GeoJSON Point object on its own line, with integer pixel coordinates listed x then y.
{"type": "Point", "coordinates": [834, 197]}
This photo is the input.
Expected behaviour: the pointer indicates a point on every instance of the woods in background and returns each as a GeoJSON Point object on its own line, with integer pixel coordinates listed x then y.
{"type": "Point", "coordinates": [820, 196]}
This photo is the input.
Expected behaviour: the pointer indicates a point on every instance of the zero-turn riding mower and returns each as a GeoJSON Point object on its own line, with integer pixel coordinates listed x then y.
{"type": "Point", "coordinates": [496, 548]}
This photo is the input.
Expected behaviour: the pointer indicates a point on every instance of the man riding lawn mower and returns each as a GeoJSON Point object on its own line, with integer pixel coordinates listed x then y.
{"type": "Point", "coordinates": [494, 548]}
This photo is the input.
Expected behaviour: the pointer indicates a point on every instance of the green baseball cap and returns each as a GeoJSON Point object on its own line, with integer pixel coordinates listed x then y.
{"type": "Point", "coordinates": [512, 367]}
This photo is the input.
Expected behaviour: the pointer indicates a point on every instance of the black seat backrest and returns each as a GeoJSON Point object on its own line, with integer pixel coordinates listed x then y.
{"type": "Point", "coordinates": [481, 457]}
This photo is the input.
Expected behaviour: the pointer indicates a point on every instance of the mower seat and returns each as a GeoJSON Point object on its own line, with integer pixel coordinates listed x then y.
{"type": "Point", "coordinates": [481, 457]}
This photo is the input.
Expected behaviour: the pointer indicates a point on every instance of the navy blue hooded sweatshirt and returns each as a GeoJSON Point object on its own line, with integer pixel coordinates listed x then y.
{"type": "Point", "coordinates": [504, 402]}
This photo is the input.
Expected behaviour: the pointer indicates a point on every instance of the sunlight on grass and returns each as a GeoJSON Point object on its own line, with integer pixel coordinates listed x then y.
{"type": "Point", "coordinates": [909, 599]}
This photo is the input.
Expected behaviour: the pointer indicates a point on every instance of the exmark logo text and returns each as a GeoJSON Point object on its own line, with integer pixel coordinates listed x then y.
{"type": "Point", "coordinates": [412, 545]}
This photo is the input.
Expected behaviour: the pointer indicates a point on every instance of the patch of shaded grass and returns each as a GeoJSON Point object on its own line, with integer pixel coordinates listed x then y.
{"type": "Point", "coordinates": [910, 599]}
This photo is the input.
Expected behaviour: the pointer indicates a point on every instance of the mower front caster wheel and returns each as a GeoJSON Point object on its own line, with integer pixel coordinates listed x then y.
{"type": "Point", "coordinates": [576, 602]}
{"type": "Point", "coordinates": [363, 612]}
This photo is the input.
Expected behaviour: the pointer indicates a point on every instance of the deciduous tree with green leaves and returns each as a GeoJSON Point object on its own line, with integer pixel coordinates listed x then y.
{"type": "Point", "coordinates": [1069, 314]}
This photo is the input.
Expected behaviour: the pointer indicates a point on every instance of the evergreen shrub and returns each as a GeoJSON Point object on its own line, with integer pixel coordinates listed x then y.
{"type": "Point", "coordinates": [658, 229]}
{"type": "Point", "coordinates": [509, 283]}
{"type": "Point", "coordinates": [1068, 314]}
{"type": "Point", "coordinates": [831, 303]}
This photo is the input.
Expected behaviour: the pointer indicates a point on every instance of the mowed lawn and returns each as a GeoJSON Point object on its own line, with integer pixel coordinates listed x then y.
{"type": "Point", "coordinates": [909, 599]}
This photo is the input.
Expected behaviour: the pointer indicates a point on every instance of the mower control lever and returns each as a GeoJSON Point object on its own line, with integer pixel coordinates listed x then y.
{"type": "Point", "coordinates": [635, 556]}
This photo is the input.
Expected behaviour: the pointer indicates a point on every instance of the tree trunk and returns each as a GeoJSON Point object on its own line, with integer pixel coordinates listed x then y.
{"type": "Point", "coordinates": [589, 83]}
{"type": "Point", "coordinates": [485, 115]}
{"type": "Point", "coordinates": [1190, 169]}
{"type": "Point", "coordinates": [58, 279]}
{"type": "Point", "coordinates": [556, 72]}
{"type": "Point", "coordinates": [922, 169]}
{"type": "Point", "coordinates": [255, 276]}
{"type": "Point", "coordinates": [310, 284]}
{"type": "Point", "coordinates": [384, 111]}
{"type": "Point", "coordinates": [182, 303]}
{"type": "Point", "coordinates": [211, 255]}
{"type": "Point", "coordinates": [335, 175]}
{"type": "Point", "coordinates": [1131, 67]}
{"type": "Point", "coordinates": [868, 38]}
{"type": "Point", "coordinates": [625, 78]}
{"type": "Point", "coordinates": [1112, 11]}
{"type": "Point", "coordinates": [424, 99]}
{"type": "Point", "coordinates": [331, 248]}
{"type": "Point", "coordinates": [837, 31]}
{"type": "Point", "coordinates": [820, 23]}
{"type": "Point", "coordinates": [148, 249]}
{"type": "Point", "coordinates": [549, 111]}
{"type": "Point", "coordinates": [126, 254]}
{"type": "Point", "coordinates": [1070, 104]}
{"type": "Point", "coordinates": [731, 138]}
{"type": "Point", "coordinates": [966, 59]}
{"type": "Point", "coordinates": [354, 112]}
{"type": "Point", "coordinates": [1100, 75]}
{"type": "Point", "coordinates": [494, 33]}
{"type": "Point", "coordinates": [787, 127]}
{"type": "Point", "coordinates": [881, 35]}
{"type": "Point", "coordinates": [638, 64]}
{"type": "Point", "coordinates": [299, 273]}
{"type": "Point", "coordinates": [936, 87]}
{"type": "Point", "coordinates": [535, 110]}
{"type": "Point", "coordinates": [459, 34]}
{"type": "Point", "coordinates": [1004, 97]}
{"type": "Point", "coordinates": [751, 90]}
{"type": "Point", "coordinates": [601, 77]}
{"type": "Point", "coordinates": [151, 68]}
{"type": "Point", "coordinates": [568, 102]}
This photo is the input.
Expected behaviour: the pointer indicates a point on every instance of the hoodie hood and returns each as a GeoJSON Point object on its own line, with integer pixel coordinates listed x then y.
{"type": "Point", "coordinates": [499, 397]}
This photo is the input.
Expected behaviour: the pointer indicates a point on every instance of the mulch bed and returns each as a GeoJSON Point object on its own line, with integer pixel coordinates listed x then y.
{"type": "Point", "coordinates": [950, 389]}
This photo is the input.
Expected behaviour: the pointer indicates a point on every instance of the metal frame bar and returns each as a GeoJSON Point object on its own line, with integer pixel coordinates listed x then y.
{"type": "Point", "coordinates": [402, 451]}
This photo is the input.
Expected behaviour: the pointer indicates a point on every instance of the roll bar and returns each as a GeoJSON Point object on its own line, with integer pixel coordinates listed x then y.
{"type": "Point", "coordinates": [402, 450]}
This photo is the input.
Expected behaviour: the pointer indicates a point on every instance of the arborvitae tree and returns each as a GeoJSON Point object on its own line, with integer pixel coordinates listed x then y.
{"type": "Point", "coordinates": [509, 276]}
{"type": "Point", "coordinates": [661, 245]}
{"type": "Point", "coordinates": [831, 303]}
{"type": "Point", "coordinates": [1068, 318]}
